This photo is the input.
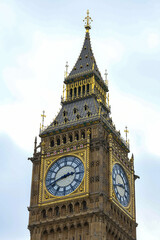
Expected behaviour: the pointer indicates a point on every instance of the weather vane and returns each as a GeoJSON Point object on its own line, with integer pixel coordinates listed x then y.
{"type": "Point", "coordinates": [43, 116]}
{"type": "Point", "coordinates": [126, 131]}
{"type": "Point", "coordinates": [87, 21]}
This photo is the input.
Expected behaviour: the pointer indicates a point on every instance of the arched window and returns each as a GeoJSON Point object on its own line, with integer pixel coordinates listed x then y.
{"type": "Point", "coordinates": [74, 110]}
{"type": "Point", "coordinates": [50, 212]}
{"type": "Point", "coordinates": [79, 91]}
{"type": "Point", "coordinates": [85, 107]}
{"type": "Point", "coordinates": [65, 120]}
{"type": "Point", "coordinates": [70, 208]}
{"type": "Point", "coordinates": [64, 113]}
{"type": "Point", "coordinates": [70, 138]}
{"type": "Point", "coordinates": [63, 210]}
{"type": "Point", "coordinates": [84, 205]}
{"type": "Point", "coordinates": [59, 229]}
{"type": "Point", "coordinates": [43, 213]}
{"type": "Point", "coordinates": [78, 116]}
{"type": "Point", "coordinates": [88, 113]}
{"type": "Point", "coordinates": [56, 210]}
{"type": "Point", "coordinates": [45, 235]}
{"type": "Point", "coordinates": [83, 134]}
{"type": "Point", "coordinates": [76, 207]}
{"type": "Point", "coordinates": [64, 139]}
{"type": "Point", "coordinates": [52, 143]}
{"type": "Point", "coordinates": [77, 136]}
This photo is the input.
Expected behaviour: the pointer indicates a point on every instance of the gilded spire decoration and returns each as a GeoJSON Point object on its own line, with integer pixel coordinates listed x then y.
{"type": "Point", "coordinates": [43, 116]}
{"type": "Point", "coordinates": [126, 131]}
{"type": "Point", "coordinates": [87, 21]}
{"type": "Point", "coordinates": [106, 79]}
{"type": "Point", "coordinates": [66, 72]}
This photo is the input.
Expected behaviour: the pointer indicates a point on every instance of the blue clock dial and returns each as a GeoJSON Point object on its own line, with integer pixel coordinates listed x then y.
{"type": "Point", "coordinates": [64, 176]}
{"type": "Point", "coordinates": [121, 185]}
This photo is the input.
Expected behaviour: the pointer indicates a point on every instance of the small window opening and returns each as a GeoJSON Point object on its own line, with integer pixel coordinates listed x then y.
{"type": "Point", "coordinates": [78, 116]}
{"type": "Point", "coordinates": [71, 93]}
{"type": "Point", "coordinates": [87, 88]}
{"type": "Point", "coordinates": [57, 211]}
{"type": "Point", "coordinates": [83, 89]}
{"type": "Point", "coordinates": [58, 141]}
{"type": "Point", "coordinates": [70, 138]}
{"type": "Point", "coordinates": [77, 136]}
{"type": "Point", "coordinates": [55, 123]}
{"type": "Point", "coordinates": [79, 91]}
{"type": "Point", "coordinates": [88, 113]}
{"type": "Point", "coordinates": [64, 113]}
{"type": "Point", "coordinates": [64, 140]}
{"type": "Point", "coordinates": [75, 92]}
{"type": "Point", "coordinates": [74, 110]}
{"type": "Point", "coordinates": [44, 213]}
{"type": "Point", "coordinates": [84, 205]}
{"type": "Point", "coordinates": [65, 120]}
{"type": "Point", "coordinates": [83, 135]}
{"type": "Point", "coordinates": [85, 107]}
{"type": "Point", "coordinates": [70, 208]}
{"type": "Point", "coordinates": [52, 143]}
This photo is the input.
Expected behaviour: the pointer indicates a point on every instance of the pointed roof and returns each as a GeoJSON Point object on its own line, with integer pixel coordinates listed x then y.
{"type": "Point", "coordinates": [86, 63]}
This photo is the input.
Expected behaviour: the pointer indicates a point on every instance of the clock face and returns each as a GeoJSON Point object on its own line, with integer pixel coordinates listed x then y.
{"type": "Point", "coordinates": [64, 176]}
{"type": "Point", "coordinates": [121, 185]}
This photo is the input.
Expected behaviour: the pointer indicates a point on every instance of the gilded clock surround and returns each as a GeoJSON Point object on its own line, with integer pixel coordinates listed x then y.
{"type": "Point", "coordinates": [81, 191]}
{"type": "Point", "coordinates": [83, 128]}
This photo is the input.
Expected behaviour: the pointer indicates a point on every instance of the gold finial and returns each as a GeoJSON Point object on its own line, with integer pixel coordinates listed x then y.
{"type": "Point", "coordinates": [87, 21]}
{"type": "Point", "coordinates": [66, 72]}
{"type": "Point", "coordinates": [93, 66]}
{"type": "Point", "coordinates": [43, 116]}
{"type": "Point", "coordinates": [126, 131]}
{"type": "Point", "coordinates": [106, 74]}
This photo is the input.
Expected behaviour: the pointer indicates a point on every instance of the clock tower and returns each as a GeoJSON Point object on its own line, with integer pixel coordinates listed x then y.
{"type": "Point", "coordinates": [83, 182]}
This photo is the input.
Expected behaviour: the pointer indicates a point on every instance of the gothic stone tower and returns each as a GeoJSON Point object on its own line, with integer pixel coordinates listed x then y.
{"type": "Point", "coordinates": [82, 179]}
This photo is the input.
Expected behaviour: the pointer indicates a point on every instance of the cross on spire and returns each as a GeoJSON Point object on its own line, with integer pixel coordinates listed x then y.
{"type": "Point", "coordinates": [43, 116]}
{"type": "Point", "coordinates": [87, 21]}
{"type": "Point", "coordinates": [66, 72]}
{"type": "Point", "coordinates": [105, 75]}
{"type": "Point", "coordinates": [126, 131]}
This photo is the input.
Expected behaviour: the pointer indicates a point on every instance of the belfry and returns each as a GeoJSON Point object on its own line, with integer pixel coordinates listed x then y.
{"type": "Point", "coordinates": [83, 182]}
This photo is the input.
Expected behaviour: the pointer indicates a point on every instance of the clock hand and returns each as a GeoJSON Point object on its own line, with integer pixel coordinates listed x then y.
{"type": "Point", "coordinates": [64, 176]}
{"type": "Point", "coordinates": [119, 185]}
{"type": "Point", "coordinates": [79, 172]}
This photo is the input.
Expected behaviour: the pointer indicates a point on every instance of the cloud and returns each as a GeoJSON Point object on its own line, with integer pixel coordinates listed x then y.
{"type": "Point", "coordinates": [153, 40]}
{"type": "Point", "coordinates": [16, 178]}
{"type": "Point", "coordinates": [141, 117]}
{"type": "Point", "coordinates": [7, 16]}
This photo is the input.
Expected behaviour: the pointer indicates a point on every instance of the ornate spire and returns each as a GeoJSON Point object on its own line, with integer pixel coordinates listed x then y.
{"type": "Point", "coordinates": [43, 116]}
{"type": "Point", "coordinates": [66, 72]}
{"type": "Point", "coordinates": [87, 21]}
{"type": "Point", "coordinates": [126, 131]}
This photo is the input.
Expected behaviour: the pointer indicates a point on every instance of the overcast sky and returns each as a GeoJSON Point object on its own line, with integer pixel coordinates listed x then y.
{"type": "Point", "coordinates": [37, 37]}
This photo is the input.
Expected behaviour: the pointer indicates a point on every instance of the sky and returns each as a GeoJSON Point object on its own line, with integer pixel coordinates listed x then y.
{"type": "Point", "coordinates": [36, 39]}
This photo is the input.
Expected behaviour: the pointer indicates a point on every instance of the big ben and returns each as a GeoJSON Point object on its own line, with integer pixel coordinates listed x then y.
{"type": "Point", "coordinates": [83, 182]}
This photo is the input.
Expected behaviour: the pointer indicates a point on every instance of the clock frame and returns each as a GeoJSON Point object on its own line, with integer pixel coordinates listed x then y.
{"type": "Point", "coordinates": [47, 161]}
